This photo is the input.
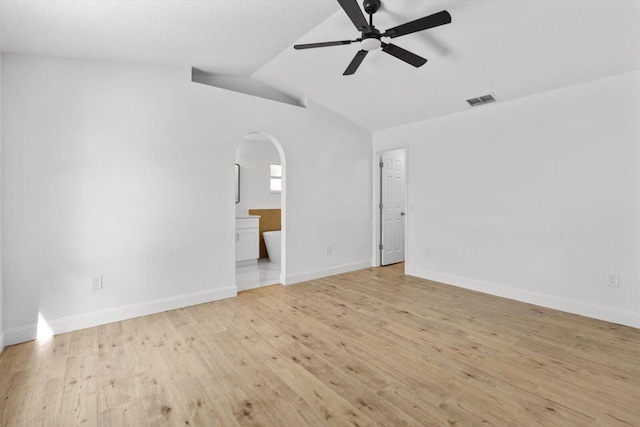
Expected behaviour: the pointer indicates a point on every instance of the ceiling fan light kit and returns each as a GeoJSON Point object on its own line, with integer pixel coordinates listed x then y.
{"type": "Point", "coordinates": [371, 38]}
{"type": "Point", "coordinates": [370, 43]}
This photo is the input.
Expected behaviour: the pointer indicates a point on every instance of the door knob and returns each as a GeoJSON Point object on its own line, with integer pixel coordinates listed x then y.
{"type": "Point", "coordinates": [402, 213]}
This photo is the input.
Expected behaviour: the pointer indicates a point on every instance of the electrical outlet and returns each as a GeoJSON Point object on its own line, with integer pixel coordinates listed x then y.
{"type": "Point", "coordinates": [96, 282]}
{"type": "Point", "coordinates": [613, 279]}
{"type": "Point", "coordinates": [328, 250]}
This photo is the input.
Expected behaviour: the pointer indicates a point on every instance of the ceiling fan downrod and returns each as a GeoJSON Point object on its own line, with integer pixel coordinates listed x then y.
{"type": "Point", "coordinates": [371, 7]}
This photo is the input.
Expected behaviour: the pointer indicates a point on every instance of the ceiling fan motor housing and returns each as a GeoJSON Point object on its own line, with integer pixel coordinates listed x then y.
{"type": "Point", "coordinates": [371, 6]}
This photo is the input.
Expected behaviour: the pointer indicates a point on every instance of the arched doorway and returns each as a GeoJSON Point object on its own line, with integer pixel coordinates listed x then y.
{"type": "Point", "coordinates": [261, 163]}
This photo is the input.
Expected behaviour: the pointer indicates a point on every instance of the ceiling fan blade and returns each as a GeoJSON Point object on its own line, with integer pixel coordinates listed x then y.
{"type": "Point", "coordinates": [425, 23]}
{"type": "Point", "coordinates": [355, 62]}
{"type": "Point", "coordinates": [323, 44]}
{"type": "Point", "coordinates": [404, 55]}
{"type": "Point", "coordinates": [354, 12]}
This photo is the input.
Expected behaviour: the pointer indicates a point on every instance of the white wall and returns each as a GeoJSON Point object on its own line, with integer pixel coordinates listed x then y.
{"type": "Point", "coordinates": [535, 199]}
{"type": "Point", "coordinates": [127, 171]}
{"type": "Point", "coordinates": [255, 158]}
{"type": "Point", "coordinates": [1, 302]}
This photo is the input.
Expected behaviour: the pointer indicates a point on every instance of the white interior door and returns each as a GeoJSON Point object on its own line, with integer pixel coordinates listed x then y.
{"type": "Point", "coordinates": [392, 206]}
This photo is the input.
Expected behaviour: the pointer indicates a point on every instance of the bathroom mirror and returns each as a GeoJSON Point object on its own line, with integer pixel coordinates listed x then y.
{"type": "Point", "coordinates": [237, 183]}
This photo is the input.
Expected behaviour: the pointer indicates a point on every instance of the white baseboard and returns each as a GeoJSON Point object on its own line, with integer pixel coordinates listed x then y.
{"type": "Point", "coordinates": [324, 272]}
{"type": "Point", "coordinates": [1, 339]}
{"type": "Point", "coordinates": [609, 314]}
{"type": "Point", "coordinates": [87, 320]}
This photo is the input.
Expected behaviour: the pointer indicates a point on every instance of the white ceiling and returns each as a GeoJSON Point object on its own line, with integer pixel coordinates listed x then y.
{"type": "Point", "coordinates": [511, 48]}
{"type": "Point", "coordinates": [234, 37]}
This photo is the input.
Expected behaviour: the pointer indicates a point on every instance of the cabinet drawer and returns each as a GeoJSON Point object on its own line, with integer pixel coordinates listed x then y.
{"type": "Point", "coordinates": [242, 223]}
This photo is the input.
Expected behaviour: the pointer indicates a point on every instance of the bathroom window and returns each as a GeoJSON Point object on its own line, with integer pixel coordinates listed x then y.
{"type": "Point", "coordinates": [276, 178]}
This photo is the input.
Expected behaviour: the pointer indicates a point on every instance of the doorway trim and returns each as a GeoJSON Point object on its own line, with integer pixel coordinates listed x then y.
{"type": "Point", "coordinates": [376, 236]}
{"type": "Point", "coordinates": [283, 199]}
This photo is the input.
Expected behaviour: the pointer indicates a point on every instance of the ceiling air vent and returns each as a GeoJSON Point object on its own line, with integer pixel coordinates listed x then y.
{"type": "Point", "coordinates": [481, 100]}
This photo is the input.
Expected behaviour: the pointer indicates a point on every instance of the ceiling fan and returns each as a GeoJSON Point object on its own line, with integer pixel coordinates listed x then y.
{"type": "Point", "coordinates": [372, 38]}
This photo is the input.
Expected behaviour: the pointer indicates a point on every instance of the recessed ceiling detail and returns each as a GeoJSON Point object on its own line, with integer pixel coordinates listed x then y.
{"type": "Point", "coordinates": [246, 85]}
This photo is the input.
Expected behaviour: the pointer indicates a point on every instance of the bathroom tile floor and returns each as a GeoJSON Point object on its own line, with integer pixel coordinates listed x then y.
{"type": "Point", "coordinates": [263, 273]}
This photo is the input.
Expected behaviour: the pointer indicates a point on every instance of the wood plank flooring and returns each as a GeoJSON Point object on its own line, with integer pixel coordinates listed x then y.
{"type": "Point", "coordinates": [373, 347]}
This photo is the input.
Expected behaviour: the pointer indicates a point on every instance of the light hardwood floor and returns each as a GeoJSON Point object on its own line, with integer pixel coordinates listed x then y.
{"type": "Point", "coordinates": [373, 347]}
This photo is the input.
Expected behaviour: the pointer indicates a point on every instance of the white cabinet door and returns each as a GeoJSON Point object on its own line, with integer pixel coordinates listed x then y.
{"type": "Point", "coordinates": [247, 244]}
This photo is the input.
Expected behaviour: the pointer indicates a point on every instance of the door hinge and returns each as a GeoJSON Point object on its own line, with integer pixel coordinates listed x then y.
{"type": "Point", "coordinates": [380, 247]}
{"type": "Point", "coordinates": [381, 164]}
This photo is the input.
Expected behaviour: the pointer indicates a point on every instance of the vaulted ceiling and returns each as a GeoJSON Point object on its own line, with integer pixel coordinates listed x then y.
{"type": "Point", "coordinates": [510, 48]}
